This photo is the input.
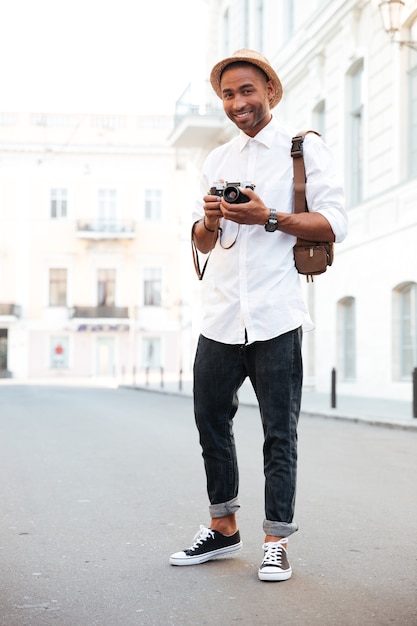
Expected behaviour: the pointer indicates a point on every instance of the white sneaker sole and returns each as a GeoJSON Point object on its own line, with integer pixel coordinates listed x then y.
{"type": "Point", "coordinates": [275, 576]}
{"type": "Point", "coordinates": [180, 558]}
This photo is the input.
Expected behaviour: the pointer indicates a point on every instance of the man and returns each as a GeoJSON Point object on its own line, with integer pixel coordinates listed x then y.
{"type": "Point", "coordinates": [253, 307]}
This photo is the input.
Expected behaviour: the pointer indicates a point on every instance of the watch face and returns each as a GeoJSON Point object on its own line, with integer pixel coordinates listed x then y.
{"type": "Point", "coordinates": [271, 225]}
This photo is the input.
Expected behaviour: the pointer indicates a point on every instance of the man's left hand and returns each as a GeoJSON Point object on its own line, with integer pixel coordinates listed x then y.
{"type": "Point", "coordinates": [252, 212]}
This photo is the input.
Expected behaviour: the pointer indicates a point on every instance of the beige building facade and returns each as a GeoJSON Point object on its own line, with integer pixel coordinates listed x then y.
{"type": "Point", "coordinates": [92, 241]}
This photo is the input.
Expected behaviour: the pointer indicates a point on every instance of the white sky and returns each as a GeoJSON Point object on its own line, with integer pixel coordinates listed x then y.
{"type": "Point", "coordinates": [99, 56]}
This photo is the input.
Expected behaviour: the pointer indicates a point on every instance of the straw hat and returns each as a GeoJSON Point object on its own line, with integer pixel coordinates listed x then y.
{"type": "Point", "coordinates": [249, 56]}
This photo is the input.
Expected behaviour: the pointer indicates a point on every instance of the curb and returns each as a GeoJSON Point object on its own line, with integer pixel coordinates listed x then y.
{"type": "Point", "coordinates": [383, 422]}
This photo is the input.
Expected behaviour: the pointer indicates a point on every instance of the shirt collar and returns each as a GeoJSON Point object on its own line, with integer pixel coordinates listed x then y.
{"type": "Point", "coordinates": [265, 136]}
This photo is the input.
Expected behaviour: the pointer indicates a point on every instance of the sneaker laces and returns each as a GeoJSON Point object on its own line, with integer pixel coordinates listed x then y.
{"type": "Point", "coordinates": [273, 552]}
{"type": "Point", "coordinates": [202, 536]}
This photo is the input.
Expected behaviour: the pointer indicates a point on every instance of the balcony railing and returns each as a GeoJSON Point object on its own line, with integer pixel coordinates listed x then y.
{"type": "Point", "coordinates": [97, 312]}
{"type": "Point", "coordinates": [198, 100]}
{"type": "Point", "coordinates": [199, 117]}
{"type": "Point", "coordinates": [13, 310]}
{"type": "Point", "coordinates": [106, 229]}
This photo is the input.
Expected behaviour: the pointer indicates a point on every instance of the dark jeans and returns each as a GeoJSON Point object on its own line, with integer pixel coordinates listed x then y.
{"type": "Point", "coordinates": [275, 370]}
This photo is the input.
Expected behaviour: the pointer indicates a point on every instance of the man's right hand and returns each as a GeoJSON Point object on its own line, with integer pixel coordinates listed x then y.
{"type": "Point", "coordinates": [212, 211]}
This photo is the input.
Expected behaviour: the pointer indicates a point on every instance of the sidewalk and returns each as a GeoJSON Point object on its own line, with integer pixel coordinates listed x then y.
{"type": "Point", "coordinates": [375, 411]}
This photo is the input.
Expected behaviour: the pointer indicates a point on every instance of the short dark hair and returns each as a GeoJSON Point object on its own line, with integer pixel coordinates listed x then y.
{"type": "Point", "coordinates": [244, 64]}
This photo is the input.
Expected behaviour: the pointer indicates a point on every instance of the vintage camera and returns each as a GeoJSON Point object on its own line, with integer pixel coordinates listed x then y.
{"type": "Point", "coordinates": [230, 191]}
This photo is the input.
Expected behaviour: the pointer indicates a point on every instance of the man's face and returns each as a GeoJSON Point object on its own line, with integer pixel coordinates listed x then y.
{"type": "Point", "coordinates": [246, 95]}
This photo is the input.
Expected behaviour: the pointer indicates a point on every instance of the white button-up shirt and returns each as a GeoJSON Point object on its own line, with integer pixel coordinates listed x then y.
{"type": "Point", "coordinates": [254, 286]}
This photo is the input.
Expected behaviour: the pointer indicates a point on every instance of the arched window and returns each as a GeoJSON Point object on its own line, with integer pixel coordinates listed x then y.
{"type": "Point", "coordinates": [347, 338]}
{"type": "Point", "coordinates": [319, 117]}
{"type": "Point", "coordinates": [405, 330]}
{"type": "Point", "coordinates": [355, 133]}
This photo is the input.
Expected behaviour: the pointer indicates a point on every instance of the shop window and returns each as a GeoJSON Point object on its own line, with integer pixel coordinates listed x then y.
{"type": "Point", "coordinates": [59, 352]}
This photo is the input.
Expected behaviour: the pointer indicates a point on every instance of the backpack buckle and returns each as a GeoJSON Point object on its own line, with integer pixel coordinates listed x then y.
{"type": "Point", "coordinates": [297, 146]}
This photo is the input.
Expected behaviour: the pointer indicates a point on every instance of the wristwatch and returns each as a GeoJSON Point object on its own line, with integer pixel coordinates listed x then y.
{"type": "Point", "coordinates": [272, 224]}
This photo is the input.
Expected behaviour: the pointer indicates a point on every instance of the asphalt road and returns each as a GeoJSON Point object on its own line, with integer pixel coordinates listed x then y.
{"type": "Point", "coordinates": [99, 486]}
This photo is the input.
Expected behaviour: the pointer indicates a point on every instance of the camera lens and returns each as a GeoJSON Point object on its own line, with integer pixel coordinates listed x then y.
{"type": "Point", "coordinates": [231, 194]}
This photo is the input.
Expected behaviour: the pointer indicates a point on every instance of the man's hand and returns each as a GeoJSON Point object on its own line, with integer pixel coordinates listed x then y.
{"type": "Point", "coordinates": [212, 211]}
{"type": "Point", "coordinates": [252, 212]}
{"type": "Point", "coordinates": [308, 225]}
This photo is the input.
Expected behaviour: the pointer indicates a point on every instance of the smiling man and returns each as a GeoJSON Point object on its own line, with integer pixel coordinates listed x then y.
{"type": "Point", "coordinates": [246, 95]}
{"type": "Point", "coordinates": [254, 313]}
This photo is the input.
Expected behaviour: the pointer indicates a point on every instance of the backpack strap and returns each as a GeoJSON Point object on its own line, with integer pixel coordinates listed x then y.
{"type": "Point", "coordinates": [300, 202]}
{"type": "Point", "coordinates": [310, 257]}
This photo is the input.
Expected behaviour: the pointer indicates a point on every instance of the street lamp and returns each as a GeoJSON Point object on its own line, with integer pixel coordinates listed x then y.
{"type": "Point", "coordinates": [391, 18]}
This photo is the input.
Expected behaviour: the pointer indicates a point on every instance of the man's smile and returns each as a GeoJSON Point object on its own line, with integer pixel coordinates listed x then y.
{"type": "Point", "coordinates": [243, 115]}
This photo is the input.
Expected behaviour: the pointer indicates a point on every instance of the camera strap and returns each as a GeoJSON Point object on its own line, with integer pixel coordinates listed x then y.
{"type": "Point", "coordinates": [198, 270]}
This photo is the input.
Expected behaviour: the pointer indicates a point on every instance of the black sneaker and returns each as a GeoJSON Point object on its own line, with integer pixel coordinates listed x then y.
{"type": "Point", "coordinates": [207, 545]}
{"type": "Point", "coordinates": [275, 565]}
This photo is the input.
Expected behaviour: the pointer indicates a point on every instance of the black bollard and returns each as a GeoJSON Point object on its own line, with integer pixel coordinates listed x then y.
{"type": "Point", "coordinates": [333, 400]}
{"type": "Point", "coordinates": [415, 392]}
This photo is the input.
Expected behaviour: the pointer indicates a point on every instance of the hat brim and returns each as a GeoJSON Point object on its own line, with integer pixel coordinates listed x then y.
{"type": "Point", "coordinates": [216, 74]}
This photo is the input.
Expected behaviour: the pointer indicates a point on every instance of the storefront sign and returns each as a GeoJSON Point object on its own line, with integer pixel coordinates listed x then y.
{"type": "Point", "coordinates": [103, 328]}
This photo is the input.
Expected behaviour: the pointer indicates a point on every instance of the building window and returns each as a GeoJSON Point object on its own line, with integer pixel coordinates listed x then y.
{"type": "Point", "coordinates": [152, 286]}
{"type": "Point", "coordinates": [226, 33]}
{"type": "Point", "coordinates": [412, 130]}
{"type": "Point", "coordinates": [289, 19]}
{"type": "Point", "coordinates": [347, 338]}
{"type": "Point", "coordinates": [319, 117]}
{"type": "Point", "coordinates": [106, 287]}
{"type": "Point", "coordinates": [153, 204]}
{"type": "Point", "coordinates": [58, 352]}
{"type": "Point", "coordinates": [107, 206]}
{"type": "Point", "coordinates": [151, 355]}
{"type": "Point", "coordinates": [407, 322]}
{"type": "Point", "coordinates": [245, 23]}
{"type": "Point", "coordinates": [8, 119]}
{"type": "Point", "coordinates": [259, 25]}
{"type": "Point", "coordinates": [59, 203]}
{"type": "Point", "coordinates": [58, 287]}
{"type": "Point", "coordinates": [355, 134]}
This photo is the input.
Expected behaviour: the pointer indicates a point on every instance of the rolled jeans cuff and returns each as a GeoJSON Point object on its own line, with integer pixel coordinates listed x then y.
{"type": "Point", "coordinates": [224, 508]}
{"type": "Point", "coordinates": [279, 529]}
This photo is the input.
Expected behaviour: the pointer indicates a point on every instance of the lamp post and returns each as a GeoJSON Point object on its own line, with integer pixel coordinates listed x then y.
{"type": "Point", "coordinates": [391, 19]}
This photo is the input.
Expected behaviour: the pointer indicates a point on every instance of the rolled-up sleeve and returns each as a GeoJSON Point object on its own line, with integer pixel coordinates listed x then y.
{"type": "Point", "coordinates": [324, 190]}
